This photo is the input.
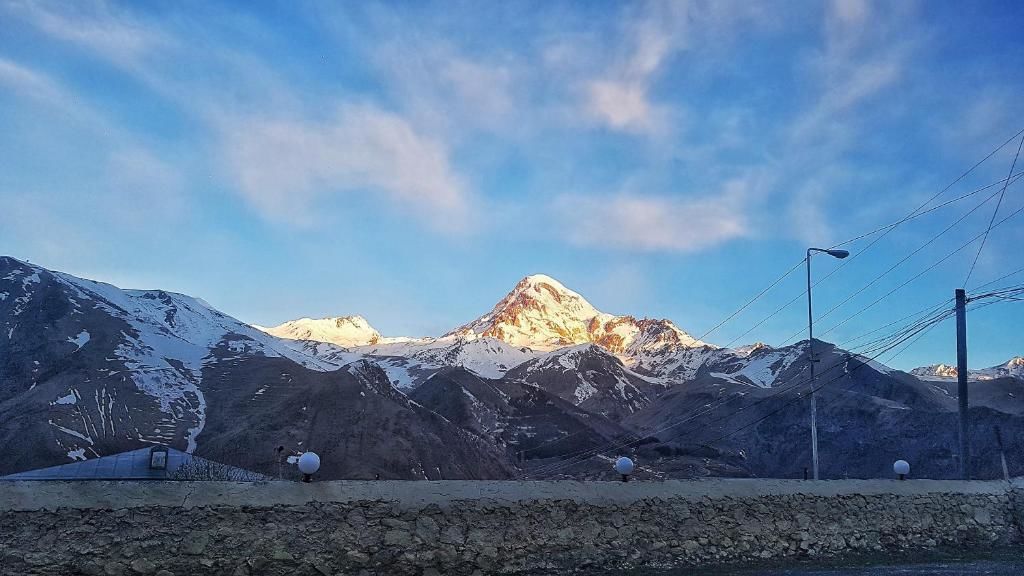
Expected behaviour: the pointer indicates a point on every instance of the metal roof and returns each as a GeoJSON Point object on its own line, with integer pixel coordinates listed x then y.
{"type": "Point", "coordinates": [133, 465]}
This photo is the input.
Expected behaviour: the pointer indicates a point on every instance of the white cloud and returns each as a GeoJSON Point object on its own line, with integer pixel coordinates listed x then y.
{"type": "Point", "coordinates": [485, 89]}
{"type": "Point", "coordinates": [619, 96]}
{"type": "Point", "coordinates": [623, 106]}
{"type": "Point", "coordinates": [864, 53]}
{"type": "Point", "coordinates": [655, 223]}
{"type": "Point", "coordinates": [850, 12]}
{"type": "Point", "coordinates": [439, 88]}
{"type": "Point", "coordinates": [110, 34]}
{"type": "Point", "coordinates": [40, 87]}
{"type": "Point", "coordinates": [284, 167]}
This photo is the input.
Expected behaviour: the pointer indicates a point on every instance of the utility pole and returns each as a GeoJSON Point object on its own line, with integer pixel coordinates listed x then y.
{"type": "Point", "coordinates": [961, 381]}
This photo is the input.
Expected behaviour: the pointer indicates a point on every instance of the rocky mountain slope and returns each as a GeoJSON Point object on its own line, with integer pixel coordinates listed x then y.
{"type": "Point", "coordinates": [87, 369]}
{"type": "Point", "coordinates": [543, 386]}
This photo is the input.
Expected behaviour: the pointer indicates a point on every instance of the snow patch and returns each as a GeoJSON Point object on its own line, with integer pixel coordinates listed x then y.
{"type": "Point", "coordinates": [81, 340]}
{"type": "Point", "coordinates": [69, 398]}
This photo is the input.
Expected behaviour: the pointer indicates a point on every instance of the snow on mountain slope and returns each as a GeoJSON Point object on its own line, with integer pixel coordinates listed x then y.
{"type": "Point", "coordinates": [542, 314]}
{"type": "Point", "coordinates": [161, 340]}
{"type": "Point", "coordinates": [1013, 368]}
{"type": "Point", "coordinates": [410, 362]}
{"type": "Point", "coordinates": [180, 327]}
{"type": "Point", "coordinates": [759, 365]}
{"type": "Point", "coordinates": [588, 376]}
{"type": "Point", "coordinates": [344, 331]}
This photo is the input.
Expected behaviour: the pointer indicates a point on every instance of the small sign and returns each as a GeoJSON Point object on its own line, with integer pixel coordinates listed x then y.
{"type": "Point", "coordinates": [158, 458]}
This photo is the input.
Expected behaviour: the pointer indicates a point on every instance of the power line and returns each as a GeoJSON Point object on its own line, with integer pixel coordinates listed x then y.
{"type": "Point", "coordinates": [918, 332]}
{"type": "Point", "coordinates": [994, 213]}
{"type": "Point", "coordinates": [583, 455]}
{"type": "Point", "coordinates": [916, 213]}
{"type": "Point", "coordinates": [1003, 277]}
{"type": "Point", "coordinates": [913, 214]}
{"type": "Point", "coordinates": [911, 332]}
{"type": "Point", "coordinates": [922, 273]}
{"type": "Point", "coordinates": [899, 263]}
{"type": "Point", "coordinates": [752, 300]}
{"type": "Point", "coordinates": [888, 228]}
{"type": "Point", "coordinates": [791, 402]}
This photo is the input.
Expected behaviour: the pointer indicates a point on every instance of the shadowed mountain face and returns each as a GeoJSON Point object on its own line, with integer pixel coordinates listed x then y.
{"type": "Point", "coordinates": [543, 386]}
{"type": "Point", "coordinates": [88, 370]}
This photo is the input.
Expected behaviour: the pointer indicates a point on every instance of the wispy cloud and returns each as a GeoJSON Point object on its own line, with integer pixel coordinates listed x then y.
{"type": "Point", "coordinates": [655, 223]}
{"type": "Point", "coordinates": [866, 51]}
{"type": "Point", "coordinates": [285, 167]}
{"type": "Point", "coordinates": [110, 33]}
{"type": "Point", "coordinates": [620, 96]}
{"type": "Point", "coordinates": [278, 157]}
{"type": "Point", "coordinates": [37, 86]}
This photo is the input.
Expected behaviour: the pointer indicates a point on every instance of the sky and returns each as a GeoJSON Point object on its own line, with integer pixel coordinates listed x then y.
{"type": "Point", "coordinates": [411, 161]}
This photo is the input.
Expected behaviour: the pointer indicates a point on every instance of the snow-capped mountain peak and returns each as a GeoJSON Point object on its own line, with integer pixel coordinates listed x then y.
{"type": "Point", "coordinates": [1013, 368]}
{"type": "Point", "coordinates": [344, 331]}
{"type": "Point", "coordinates": [935, 371]}
{"type": "Point", "coordinates": [542, 314]}
{"type": "Point", "coordinates": [539, 312]}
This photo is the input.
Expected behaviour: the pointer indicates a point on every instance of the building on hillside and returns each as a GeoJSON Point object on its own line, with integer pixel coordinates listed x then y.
{"type": "Point", "coordinates": [156, 463]}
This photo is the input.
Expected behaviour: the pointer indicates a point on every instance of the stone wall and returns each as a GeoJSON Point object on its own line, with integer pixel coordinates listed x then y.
{"type": "Point", "coordinates": [462, 527]}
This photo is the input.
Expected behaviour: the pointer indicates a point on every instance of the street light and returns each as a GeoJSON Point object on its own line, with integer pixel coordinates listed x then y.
{"type": "Point", "coordinates": [901, 468]}
{"type": "Point", "coordinates": [309, 463]}
{"type": "Point", "coordinates": [624, 466]}
{"type": "Point", "coordinates": [810, 344]}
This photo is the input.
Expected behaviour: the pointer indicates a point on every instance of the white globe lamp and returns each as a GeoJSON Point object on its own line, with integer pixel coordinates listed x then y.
{"type": "Point", "coordinates": [901, 468]}
{"type": "Point", "coordinates": [309, 463]}
{"type": "Point", "coordinates": [624, 466]}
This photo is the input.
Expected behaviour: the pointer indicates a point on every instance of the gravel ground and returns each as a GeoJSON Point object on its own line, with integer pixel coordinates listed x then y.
{"type": "Point", "coordinates": [978, 567]}
{"type": "Point", "coordinates": [1002, 562]}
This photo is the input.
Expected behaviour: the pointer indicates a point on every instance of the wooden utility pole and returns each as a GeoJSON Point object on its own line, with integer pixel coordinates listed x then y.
{"type": "Point", "coordinates": [961, 380]}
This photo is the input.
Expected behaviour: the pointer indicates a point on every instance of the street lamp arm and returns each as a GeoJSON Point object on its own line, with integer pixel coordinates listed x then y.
{"type": "Point", "coordinates": [834, 253]}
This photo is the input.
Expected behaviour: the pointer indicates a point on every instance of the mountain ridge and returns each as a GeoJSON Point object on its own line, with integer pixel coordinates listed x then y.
{"type": "Point", "coordinates": [88, 369]}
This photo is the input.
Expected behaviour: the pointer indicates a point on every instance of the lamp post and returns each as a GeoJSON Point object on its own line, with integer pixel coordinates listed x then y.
{"type": "Point", "coordinates": [624, 466]}
{"type": "Point", "coordinates": [309, 463]}
{"type": "Point", "coordinates": [901, 468]}
{"type": "Point", "coordinates": [810, 346]}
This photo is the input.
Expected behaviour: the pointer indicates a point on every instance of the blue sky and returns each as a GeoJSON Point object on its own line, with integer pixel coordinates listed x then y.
{"type": "Point", "coordinates": [411, 161]}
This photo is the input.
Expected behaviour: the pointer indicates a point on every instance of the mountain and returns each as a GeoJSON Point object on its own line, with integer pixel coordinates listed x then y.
{"type": "Point", "coordinates": [344, 331]}
{"type": "Point", "coordinates": [545, 386]}
{"type": "Point", "coordinates": [1013, 368]}
{"type": "Point", "coordinates": [88, 369]}
{"type": "Point", "coordinates": [514, 415]}
{"type": "Point", "coordinates": [542, 314]}
{"type": "Point", "coordinates": [590, 377]}
{"type": "Point", "coordinates": [540, 429]}
{"type": "Point", "coordinates": [935, 371]}
{"type": "Point", "coordinates": [539, 315]}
